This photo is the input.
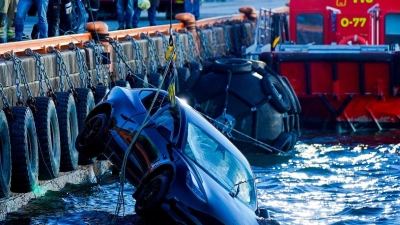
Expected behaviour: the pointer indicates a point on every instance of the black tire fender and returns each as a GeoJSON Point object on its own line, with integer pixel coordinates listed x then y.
{"type": "Point", "coordinates": [183, 75]}
{"type": "Point", "coordinates": [5, 157]}
{"type": "Point", "coordinates": [47, 128]}
{"type": "Point", "coordinates": [235, 65]}
{"type": "Point", "coordinates": [283, 142]}
{"type": "Point", "coordinates": [100, 92]}
{"type": "Point", "coordinates": [155, 79]}
{"type": "Point", "coordinates": [295, 103]}
{"type": "Point", "coordinates": [139, 81]}
{"type": "Point", "coordinates": [279, 96]}
{"type": "Point", "coordinates": [121, 83]}
{"type": "Point", "coordinates": [24, 150]}
{"type": "Point", "coordinates": [192, 80]}
{"type": "Point", "coordinates": [84, 106]}
{"type": "Point", "coordinates": [68, 123]}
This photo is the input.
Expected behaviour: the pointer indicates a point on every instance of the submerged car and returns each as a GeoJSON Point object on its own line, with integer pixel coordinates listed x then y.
{"type": "Point", "coordinates": [184, 170]}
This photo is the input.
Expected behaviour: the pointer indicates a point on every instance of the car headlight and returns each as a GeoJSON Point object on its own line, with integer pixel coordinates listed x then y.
{"type": "Point", "coordinates": [193, 185]}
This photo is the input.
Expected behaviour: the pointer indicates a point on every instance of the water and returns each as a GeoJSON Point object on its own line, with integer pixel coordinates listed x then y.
{"type": "Point", "coordinates": [327, 179]}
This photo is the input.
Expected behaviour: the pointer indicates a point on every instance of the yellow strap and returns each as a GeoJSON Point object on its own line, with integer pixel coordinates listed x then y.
{"type": "Point", "coordinates": [171, 93]}
{"type": "Point", "coordinates": [170, 49]}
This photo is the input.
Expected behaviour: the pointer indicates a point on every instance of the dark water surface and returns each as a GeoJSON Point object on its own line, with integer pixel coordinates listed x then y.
{"type": "Point", "coordinates": [327, 179]}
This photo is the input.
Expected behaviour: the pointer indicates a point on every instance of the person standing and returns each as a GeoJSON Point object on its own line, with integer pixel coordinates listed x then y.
{"type": "Point", "coordinates": [193, 7]}
{"type": "Point", "coordinates": [92, 7]}
{"type": "Point", "coordinates": [124, 14]}
{"type": "Point", "coordinates": [151, 13]}
{"type": "Point", "coordinates": [59, 10]}
{"type": "Point", "coordinates": [7, 11]}
{"type": "Point", "coordinates": [22, 9]}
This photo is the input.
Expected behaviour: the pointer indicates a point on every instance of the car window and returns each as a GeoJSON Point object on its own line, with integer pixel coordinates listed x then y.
{"type": "Point", "coordinates": [219, 163]}
{"type": "Point", "coordinates": [169, 119]}
{"type": "Point", "coordinates": [147, 98]}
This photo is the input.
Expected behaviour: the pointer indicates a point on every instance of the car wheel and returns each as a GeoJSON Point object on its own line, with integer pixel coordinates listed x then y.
{"type": "Point", "coordinates": [88, 141]}
{"type": "Point", "coordinates": [151, 195]}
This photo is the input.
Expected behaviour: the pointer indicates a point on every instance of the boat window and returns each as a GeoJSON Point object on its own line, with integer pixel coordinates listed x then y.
{"type": "Point", "coordinates": [147, 99]}
{"type": "Point", "coordinates": [392, 29]}
{"type": "Point", "coordinates": [220, 163]}
{"type": "Point", "coordinates": [309, 29]}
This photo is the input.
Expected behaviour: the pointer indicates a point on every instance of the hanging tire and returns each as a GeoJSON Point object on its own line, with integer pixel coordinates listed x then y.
{"type": "Point", "coordinates": [151, 195]}
{"type": "Point", "coordinates": [89, 140]}
{"type": "Point", "coordinates": [24, 150]}
{"type": "Point", "coordinates": [121, 83]}
{"type": "Point", "coordinates": [183, 75]}
{"type": "Point", "coordinates": [47, 129]}
{"type": "Point", "coordinates": [193, 65]}
{"type": "Point", "coordinates": [5, 157]}
{"type": "Point", "coordinates": [85, 105]}
{"type": "Point", "coordinates": [155, 79]}
{"type": "Point", "coordinates": [192, 80]}
{"type": "Point", "coordinates": [139, 81]}
{"type": "Point", "coordinates": [100, 92]}
{"type": "Point", "coordinates": [279, 96]}
{"type": "Point", "coordinates": [294, 100]}
{"type": "Point", "coordinates": [283, 142]}
{"type": "Point", "coordinates": [68, 123]}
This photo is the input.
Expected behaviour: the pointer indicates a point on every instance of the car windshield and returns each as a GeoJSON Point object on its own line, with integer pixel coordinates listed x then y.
{"type": "Point", "coordinates": [220, 163]}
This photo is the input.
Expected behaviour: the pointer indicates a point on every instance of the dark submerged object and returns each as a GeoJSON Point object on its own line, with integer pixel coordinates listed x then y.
{"type": "Point", "coordinates": [184, 169]}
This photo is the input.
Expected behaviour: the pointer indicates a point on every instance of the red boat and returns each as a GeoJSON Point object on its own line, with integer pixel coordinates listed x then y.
{"type": "Point", "coordinates": [342, 58]}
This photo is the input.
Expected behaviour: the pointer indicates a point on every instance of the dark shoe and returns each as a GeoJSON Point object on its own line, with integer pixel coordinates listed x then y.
{"type": "Point", "coordinates": [121, 26]}
{"type": "Point", "coordinates": [128, 26]}
{"type": "Point", "coordinates": [134, 26]}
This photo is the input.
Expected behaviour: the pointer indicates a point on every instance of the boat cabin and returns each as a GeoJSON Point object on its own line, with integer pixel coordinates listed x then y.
{"type": "Point", "coordinates": [372, 22]}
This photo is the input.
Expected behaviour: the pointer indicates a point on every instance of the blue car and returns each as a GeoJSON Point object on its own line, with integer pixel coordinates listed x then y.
{"type": "Point", "coordinates": [184, 170]}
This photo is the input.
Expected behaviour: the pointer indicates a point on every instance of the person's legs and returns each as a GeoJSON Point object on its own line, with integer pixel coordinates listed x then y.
{"type": "Point", "coordinates": [120, 14]}
{"type": "Point", "coordinates": [136, 17]}
{"type": "Point", "coordinates": [151, 12]}
{"type": "Point", "coordinates": [93, 9]}
{"type": "Point", "coordinates": [65, 22]}
{"type": "Point", "coordinates": [10, 17]}
{"type": "Point", "coordinates": [41, 6]}
{"type": "Point", "coordinates": [22, 9]}
{"type": "Point", "coordinates": [188, 6]}
{"type": "Point", "coordinates": [53, 17]}
{"type": "Point", "coordinates": [196, 8]}
{"type": "Point", "coordinates": [129, 13]}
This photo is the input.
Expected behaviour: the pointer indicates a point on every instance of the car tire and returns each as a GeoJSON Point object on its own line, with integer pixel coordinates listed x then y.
{"type": "Point", "coordinates": [88, 142]}
{"type": "Point", "coordinates": [24, 150]}
{"type": "Point", "coordinates": [47, 128]}
{"type": "Point", "coordinates": [68, 123]}
{"type": "Point", "coordinates": [5, 157]}
{"type": "Point", "coordinates": [151, 195]}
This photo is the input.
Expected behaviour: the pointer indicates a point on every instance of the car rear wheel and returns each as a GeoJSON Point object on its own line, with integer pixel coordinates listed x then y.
{"type": "Point", "coordinates": [150, 197]}
{"type": "Point", "coordinates": [89, 139]}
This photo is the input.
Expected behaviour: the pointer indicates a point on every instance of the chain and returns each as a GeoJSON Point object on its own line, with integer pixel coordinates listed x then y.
{"type": "Point", "coordinates": [83, 69]}
{"type": "Point", "coordinates": [42, 74]}
{"type": "Point", "coordinates": [245, 36]}
{"type": "Point", "coordinates": [204, 44]}
{"type": "Point", "coordinates": [192, 46]}
{"type": "Point", "coordinates": [62, 70]}
{"type": "Point", "coordinates": [215, 41]}
{"type": "Point", "coordinates": [121, 57]}
{"type": "Point", "coordinates": [179, 50]}
{"type": "Point", "coordinates": [97, 59]}
{"type": "Point", "coordinates": [6, 103]}
{"type": "Point", "coordinates": [236, 37]}
{"type": "Point", "coordinates": [152, 52]}
{"type": "Point", "coordinates": [227, 37]}
{"type": "Point", "coordinates": [164, 40]}
{"type": "Point", "coordinates": [16, 67]}
{"type": "Point", "coordinates": [137, 53]}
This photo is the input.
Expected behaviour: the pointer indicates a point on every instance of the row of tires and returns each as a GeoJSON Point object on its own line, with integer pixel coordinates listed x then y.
{"type": "Point", "coordinates": [37, 141]}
